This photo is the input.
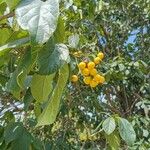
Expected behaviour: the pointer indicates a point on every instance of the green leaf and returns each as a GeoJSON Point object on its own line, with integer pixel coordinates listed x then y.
{"type": "Point", "coordinates": [13, 131]}
{"type": "Point", "coordinates": [21, 78]}
{"type": "Point", "coordinates": [49, 114]}
{"type": "Point", "coordinates": [2, 9]}
{"type": "Point", "coordinates": [5, 35]}
{"type": "Point", "coordinates": [38, 17]}
{"type": "Point", "coordinates": [59, 34]}
{"type": "Point", "coordinates": [1, 134]}
{"type": "Point", "coordinates": [18, 135]}
{"type": "Point", "coordinates": [14, 44]}
{"type": "Point", "coordinates": [37, 144]}
{"type": "Point", "coordinates": [41, 87]}
{"type": "Point", "coordinates": [28, 98]}
{"type": "Point", "coordinates": [121, 67]}
{"type": "Point", "coordinates": [109, 125]}
{"type": "Point", "coordinates": [2, 1]}
{"type": "Point", "coordinates": [12, 85]}
{"type": "Point", "coordinates": [23, 142]}
{"type": "Point", "coordinates": [12, 4]}
{"type": "Point", "coordinates": [37, 109]}
{"type": "Point", "coordinates": [114, 141]}
{"type": "Point", "coordinates": [126, 131]}
{"type": "Point", "coordinates": [8, 117]}
{"type": "Point", "coordinates": [52, 57]}
{"type": "Point", "coordinates": [3, 79]}
{"type": "Point", "coordinates": [100, 5]}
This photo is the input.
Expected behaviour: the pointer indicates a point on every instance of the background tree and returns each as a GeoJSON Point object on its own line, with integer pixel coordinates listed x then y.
{"type": "Point", "coordinates": [41, 45]}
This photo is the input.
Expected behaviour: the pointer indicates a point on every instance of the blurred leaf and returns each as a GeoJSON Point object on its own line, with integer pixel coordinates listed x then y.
{"type": "Point", "coordinates": [126, 131]}
{"type": "Point", "coordinates": [114, 141]}
{"type": "Point", "coordinates": [13, 131]}
{"type": "Point", "coordinates": [109, 125]}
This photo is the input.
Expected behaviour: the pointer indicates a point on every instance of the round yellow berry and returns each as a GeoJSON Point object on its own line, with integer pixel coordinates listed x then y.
{"type": "Point", "coordinates": [74, 78]}
{"type": "Point", "coordinates": [100, 55]}
{"type": "Point", "coordinates": [97, 78]}
{"type": "Point", "coordinates": [91, 65]}
{"type": "Point", "coordinates": [82, 65]}
{"type": "Point", "coordinates": [85, 72]}
{"type": "Point", "coordinates": [102, 80]}
{"type": "Point", "coordinates": [97, 60]}
{"type": "Point", "coordinates": [87, 80]}
{"type": "Point", "coordinates": [93, 83]}
{"type": "Point", "coordinates": [93, 72]}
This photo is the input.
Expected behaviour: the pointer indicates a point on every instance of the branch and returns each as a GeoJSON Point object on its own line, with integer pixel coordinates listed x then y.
{"type": "Point", "coordinates": [125, 97]}
{"type": "Point", "coordinates": [11, 14]}
{"type": "Point", "coordinates": [4, 25]}
{"type": "Point", "coordinates": [138, 97]}
{"type": "Point", "coordinates": [110, 105]}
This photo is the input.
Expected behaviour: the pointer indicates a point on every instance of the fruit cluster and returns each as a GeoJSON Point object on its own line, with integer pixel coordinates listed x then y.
{"type": "Point", "coordinates": [90, 74]}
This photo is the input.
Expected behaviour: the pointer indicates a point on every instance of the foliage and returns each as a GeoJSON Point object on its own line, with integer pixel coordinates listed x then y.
{"type": "Point", "coordinates": [42, 44]}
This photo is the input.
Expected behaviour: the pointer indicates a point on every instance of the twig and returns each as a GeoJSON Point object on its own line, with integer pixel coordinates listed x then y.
{"type": "Point", "coordinates": [110, 105]}
{"type": "Point", "coordinates": [137, 97]}
{"type": "Point", "coordinates": [125, 97]}
{"type": "Point", "coordinates": [11, 14]}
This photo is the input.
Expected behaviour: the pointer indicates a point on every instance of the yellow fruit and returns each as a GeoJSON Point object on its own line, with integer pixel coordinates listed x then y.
{"type": "Point", "coordinates": [85, 72]}
{"type": "Point", "coordinates": [97, 60]}
{"type": "Point", "coordinates": [82, 65]}
{"type": "Point", "coordinates": [93, 83]}
{"type": "Point", "coordinates": [102, 80]}
{"type": "Point", "coordinates": [74, 78]}
{"type": "Point", "coordinates": [100, 55]}
{"type": "Point", "coordinates": [91, 65]}
{"type": "Point", "coordinates": [93, 72]}
{"type": "Point", "coordinates": [87, 80]}
{"type": "Point", "coordinates": [98, 78]}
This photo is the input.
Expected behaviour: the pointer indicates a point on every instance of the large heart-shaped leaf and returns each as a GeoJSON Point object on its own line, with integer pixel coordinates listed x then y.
{"type": "Point", "coordinates": [39, 17]}
{"type": "Point", "coordinates": [52, 57]}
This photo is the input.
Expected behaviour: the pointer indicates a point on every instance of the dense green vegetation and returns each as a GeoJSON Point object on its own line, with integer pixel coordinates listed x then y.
{"type": "Point", "coordinates": [44, 101]}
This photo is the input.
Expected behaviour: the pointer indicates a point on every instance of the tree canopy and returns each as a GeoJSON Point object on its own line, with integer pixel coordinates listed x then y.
{"type": "Point", "coordinates": [74, 74]}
